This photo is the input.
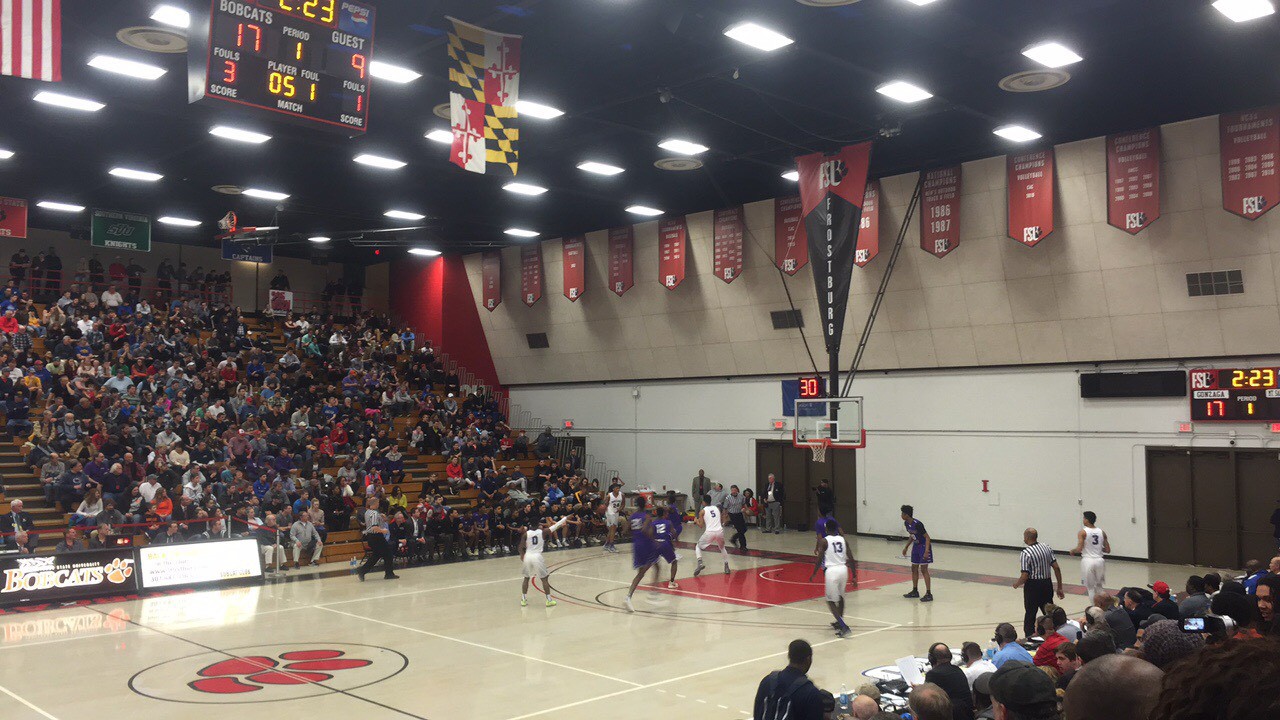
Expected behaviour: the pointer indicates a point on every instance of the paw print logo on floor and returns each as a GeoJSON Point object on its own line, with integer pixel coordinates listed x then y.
{"type": "Point", "coordinates": [119, 570]}
{"type": "Point", "coordinates": [251, 674]}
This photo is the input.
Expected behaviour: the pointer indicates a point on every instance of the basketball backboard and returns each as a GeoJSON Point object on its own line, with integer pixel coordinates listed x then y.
{"type": "Point", "coordinates": [829, 422]}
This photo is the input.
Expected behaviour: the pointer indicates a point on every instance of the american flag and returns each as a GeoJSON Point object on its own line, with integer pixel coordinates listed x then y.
{"type": "Point", "coordinates": [31, 39]}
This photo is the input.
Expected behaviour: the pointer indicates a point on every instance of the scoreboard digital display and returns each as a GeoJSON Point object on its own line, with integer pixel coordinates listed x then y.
{"type": "Point", "coordinates": [304, 59]}
{"type": "Point", "coordinates": [1235, 395]}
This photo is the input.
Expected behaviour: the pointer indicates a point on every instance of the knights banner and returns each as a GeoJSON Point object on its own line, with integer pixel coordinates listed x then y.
{"type": "Point", "coordinates": [1249, 143]}
{"type": "Point", "coordinates": [622, 251]}
{"type": "Point", "coordinates": [1030, 178]}
{"type": "Point", "coordinates": [13, 218]}
{"type": "Point", "coordinates": [869, 228]}
{"type": "Point", "coordinates": [491, 279]}
{"type": "Point", "coordinates": [484, 78]}
{"type": "Point", "coordinates": [727, 229]}
{"type": "Point", "coordinates": [574, 257]}
{"type": "Point", "coordinates": [940, 211]}
{"type": "Point", "coordinates": [531, 273]}
{"type": "Point", "coordinates": [1133, 180]}
{"type": "Point", "coordinates": [832, 191]}
{"type": "Point", "coordinates": [790, 244]}
{"type": "Point", "coordinates": [673, 246]}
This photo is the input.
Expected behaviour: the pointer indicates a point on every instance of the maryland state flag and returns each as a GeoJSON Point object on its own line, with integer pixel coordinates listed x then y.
{"type": "Point", "coordinates": [484, 74]}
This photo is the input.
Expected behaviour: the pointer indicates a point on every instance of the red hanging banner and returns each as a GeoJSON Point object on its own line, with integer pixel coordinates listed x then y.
{"type": "Point", "coordinates": [1249, 142]}
{"type": "Point", "coordinates": [491, 278]}
{"type": "Point", "coordinates": [940, 211]}
{"type": "Point", "coordinates": [622, 242]}
{"type": "Point", "coordinates": [728, 227]}
{"type": "Point", "coordinates": [673, 242]}
{"type": "Point", "coordinates": [790, 244]}
{"type": "Point", "coordinates": [531, 273]}
{"type": "Point", "coordinates": [574, 252]}
{"type": "Point", "coordinates": [869, 228]}
{"type": "Point", "coordinates": [1030, 178]}
{"type": "Point", "coordinates": [13, 217]}
{"type": "Point", "coordinates": [1133, 180]}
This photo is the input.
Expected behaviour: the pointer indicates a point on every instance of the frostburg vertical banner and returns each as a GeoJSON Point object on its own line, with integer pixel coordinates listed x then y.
{"type": "Point", "coordinates": [727, 230]}
{"type": "Point", "coordinates": [574, 256]}
{"type": "Point", "coordinates": [491, 279]}
{"type": "Point", "coordinates": [1249, 143]}
{"type": "Point", "coordinates": [790, 245]}
{"type": "Point", "coordinates": [673, 241]}
{"type": "Point", "coordinates": [622, 243]}
{"type": "Point", "coordinates": [940, 211]}
{"type": "Point", "coordinates": [531, 273]}
{"type": "Point", "coordinates": [1133, 180]}
{"type": "Point", "coordinates": [1030, 178]}
{"type": "Point", "coordinates": [869, 228]}
{"type": "Point", "coordinates": [832, 190]}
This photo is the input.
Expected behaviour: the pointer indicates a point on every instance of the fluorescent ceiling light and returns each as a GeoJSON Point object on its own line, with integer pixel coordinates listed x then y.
{"type": "Point", "coordinates": [231, 133]}
{"type": "Point", "coordinates": [1052, 54]}
{"type": "Point", "coordinates": [1244, 10]}
{"type": "Point", "coordinates": [394, 73]}
{"type": "Point", "coordinates": [592, 166]}
{"type": "Point", "coordinates": [538, 110]}
{"type": "Point", "coordinates": [683, 147]}
{"type": "Point", "coordinates": [524, 188]}
{"type": "Point", "coordinates": [61, 207]}
{"type": "Point", "coordinates": [404, 215]}
{"type": "Point", "coordinates": [644, 210]}
{"type": "Point", "coordinates": [265, 194]}
{"type": "Point", "coordinates": [67, 101]}
{"type": "Point", "coordinates": [520, 232]}
{"type": "Point", "coordinates": [318, 239]}
{"type": "Point", "coordinates": [1016, 133]}
{"type": "Point", "coordinates": [170, 15]}
{"type": "Point", "coordinates": [380, 162]}
{"type": "Point", "coordinates": [440, 136]}
{"type": "Point", "coordinates": [921, 2]}
{"type": "Point", "coordinates": [903, 91]}
{"type": "Point", "coordinates": [5, 154]}
{"type": "Point", "coordinates": [126, 67]}
{"type": "Point", "coordinates": [181, 222]}
{"type": "Point", "coordinates": [428, 252]}
{"type": "Point", "coordinates": [792, 175]}
{"type": "Point", "coordinates": [135, 174]}
{"type": "Point", "coordinates": [758, 36]}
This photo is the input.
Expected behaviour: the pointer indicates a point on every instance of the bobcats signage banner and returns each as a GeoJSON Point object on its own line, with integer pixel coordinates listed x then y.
{"type": "Point", "coordinates": [531, 273]}
{"type": "Point", "coordinates": [1133, 180]}
{"type": "Point", "coordinates": [1249, 143]}
{"type": "Point", "coordinates": [491, 279]}
{"type": "Point", "coordinates": [1030, 178]}
{"type": "Point", "coordinates": [574, 257]}
{"type": "Point", "coordinates": [790, 245]}
{"type": "Point", "coordinates": [869, 229]}
{"type": "Point", "coordinates": [13, 217]}
{"type": "Point", "coordinates": [66, 576]}
{"type": "Point", "coordinates": [727, 230]}
{"type": "Point", "coordinates": [622, 251]}
{"type": "Point", "coordinates": [832, 191]}
{"type": "Point", "coordinates": [673, 247]}
{"type": "Point", "coordinates": [940, 211]}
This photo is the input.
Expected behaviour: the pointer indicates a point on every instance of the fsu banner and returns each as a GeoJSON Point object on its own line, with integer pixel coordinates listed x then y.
{"type": "Point", "coordinates": [832, 191]}
{"type": "Point", "coordinates": [1133, 180]}
{"type": "Point", "coordinates": [575, 266]}
{"type": "Point", "coordinates": [790, 245]}
{"type": "Point", "coordinates": [1249, 143]}
{"type": "Point", "coordinates": [673, 242]}
{"type": "Point", "coordinates": [940, 211]}
{"type": "Point", "coordinates": [1030, 178]}
{"type": "Point", "coordinates": [869, 228]}
{"type": "Point", "coordinates": [622, 243]}
{"type": "Point", "coordinates": [13, 217]}
{"type": "Point", "coordinates": [531, 273]}
{"type": "Point", "coordinates": [491, 279]}
{"type": "Point", "coordinates": [727, 230]}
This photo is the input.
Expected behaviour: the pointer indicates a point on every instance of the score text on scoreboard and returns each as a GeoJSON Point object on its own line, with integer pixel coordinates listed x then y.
{"type": "Point", "coordinates": [1235, 395]}
{"type": "Point", "coordinates": [304, 59]}
{"type": "Point", "coordinates": [809, 387]}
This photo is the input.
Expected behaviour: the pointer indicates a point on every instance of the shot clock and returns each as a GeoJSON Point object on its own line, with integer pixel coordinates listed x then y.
{"type": "Point", "coordinates": [1235, 395]}
{"type": "Point", "coordinates": [303, 59]}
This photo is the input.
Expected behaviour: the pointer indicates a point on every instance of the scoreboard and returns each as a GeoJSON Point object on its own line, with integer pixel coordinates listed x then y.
{"type": "Point", "coordinates": [303, 59]}
{"type": "Point", "coordinates": [809, 387]}
{"type": "Point", "coordinates": [1235, 395]}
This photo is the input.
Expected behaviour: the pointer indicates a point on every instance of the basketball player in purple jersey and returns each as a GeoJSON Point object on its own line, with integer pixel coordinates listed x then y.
{"type": "Point", "coordinates": [643, 552]}
{"type": "Point", "coordinates": [921, 554]}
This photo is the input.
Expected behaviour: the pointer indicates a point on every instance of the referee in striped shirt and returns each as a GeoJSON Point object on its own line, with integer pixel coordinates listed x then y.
{"type": "Point", "coordinates": [1037, 559]}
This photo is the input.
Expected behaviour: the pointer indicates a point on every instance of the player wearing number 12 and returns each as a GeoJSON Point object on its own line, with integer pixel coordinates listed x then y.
{"type": "Point", "coordinates": [1091, 545]}
{"type": "Point", "coordinates": [838, 566]}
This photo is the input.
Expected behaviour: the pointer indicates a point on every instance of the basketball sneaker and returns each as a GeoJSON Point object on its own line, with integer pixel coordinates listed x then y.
{"type": "Point", "coordinates": [551, 603]}
{"type": "Point", "coordinates": [698, 570]}
{"type": "Point", "coordinates": [912, 594]}
{"type": "Point", "coordinates": [627, 602]}
{"type": "Point", "coordinates": [524, 602]}
{"type": "Point", "coordinates": [726, 569]}
{"type": "Point", "coordinates": [928, 597]}
{"type": "Point", "coordinates": [673, 585]}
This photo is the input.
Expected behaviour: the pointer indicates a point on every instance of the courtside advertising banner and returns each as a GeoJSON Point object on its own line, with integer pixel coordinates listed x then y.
{"type": "Point", "coordinates": [673, 243]}
{"type": "Point", "coordinates": [869, 228]}
{"type": "Point", "coordinates": [198, 563]}
{"type": "Point", "coordinates": [622, 245]}
{"type": "Point", "coordinates": [13, 218]}
{"type": "Point", "coordinates": [574, 256]}
{"type": "Point", "coordinates": [1030, 177]}
{"type": "Point", "coordinates": [531, 273]}
{"type": "Point", "coordinates": [1249, 142]}
{"type": "Point", "coordinates": [728, 227]}
{"type": "Point", "coordinates": [790, 246]}
{"type": "Point", "coordinates": [1133, 180]}
{"type": "Point", "coordinates": [832, 190]}
{"type": "Point", "coordinates": [65, 576]}
{"type": "Point", "coordinates": [491, 279]}
{"type": "Point", "coordinates": [940, 211]}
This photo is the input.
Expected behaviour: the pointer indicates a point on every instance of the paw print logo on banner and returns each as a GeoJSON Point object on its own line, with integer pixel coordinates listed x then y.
{"type": "Point", "coordinates": [251, 674]}
{"type": "Point", "coordinates": [119, 570]}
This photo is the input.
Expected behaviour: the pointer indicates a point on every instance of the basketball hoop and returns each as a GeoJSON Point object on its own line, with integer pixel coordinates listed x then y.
{"type": "Point", "coordinates": [819, 450]}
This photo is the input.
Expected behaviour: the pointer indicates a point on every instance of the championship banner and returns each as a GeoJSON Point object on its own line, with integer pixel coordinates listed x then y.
{"type": "Point", "coordinates": [1133, 180]}
{"type": "Point", "coordinates": [531, 273]}
{"type": "Point", "coordinates": [790, 244]}
{"type": "Point", "coordinates": [1030, 178]}
{"type": "Point", "coordinates": [727, 229]}
{"type": "Point", "coordinates": [673, 242]}
{"type": "Point", "coordinates": [622, 251]}
{"type": "Point", "coordinates": [279, 302]}
{"type": "Point", "coordinates": [13, 217]}
{"type": "Point", "coordinates": [120, 231]}
{"type": "Point", "coordinates": [574, 257]}
{"type": "Point", "coordinates": [940, 211]}
{"type": "Point", "coordinates": [491, 279]}
{"type": "Point", "coordinates": [484, 78]}
{"type": "Point", "coordinates": [869, 228]}
{"type": "Point", "coordinates": [1249, 143]}
{"type": "Point", "coordinates": [832, 191]}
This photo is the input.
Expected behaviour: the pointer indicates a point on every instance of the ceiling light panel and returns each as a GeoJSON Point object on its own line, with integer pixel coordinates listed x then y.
{"type": "Point", "coordinates": [792, 175]}
{"type": "Point", "coordinates": [683, 147]}
{"type": "Point", "coordinates": [903, 91]}
{"type": "Point", "coordinates": [265, 194]}
{"type": "Point", "coordinates": [59, 206]}
{"type": "Point", "coordinates": [599, 168]}
{"type": "Point", "coordinates": [404, 215]}
{"type": "Point", "coordinates": [170, 15]}
{"type": "Point", "coordinates": [245, 136]}
{"type": "Point", "coordinates": [426, 252]}
{"type": "Point", "coordinates": [121, 66]}
{"type": "Point", "coordinates": [524, 188]}
{"type": "Point", "coordinates": [758, 36]}
{"type": "Point", "coordinates": [129, 174]}
{"type": "Point", "coordinates": [644, 210]}
{"type": "Point", "coordinates": [1245, 10]}
{"type": "Point", "coordinates": [378, 161]}
{"type": "Point", "coordinates": [1052, 54]}
{"type": "Point", "coordinates": [537, 110]}
{"type": "Point", "coordinates": [521, 232]}
{"type": "Point", "coordinates": [392, 73]}
{"type": "Point", "coordinates": [1017, 133]}
{"type": "Point", "coordinates": [179, 221]}
{"type": "Point", "coordinates": [440, 136]}
{"type": "Point", "coordinates": [67, 101]}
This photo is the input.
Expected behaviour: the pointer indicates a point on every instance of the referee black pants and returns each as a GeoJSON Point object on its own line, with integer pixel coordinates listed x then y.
{"type": "Point", "coordinates": [739, 522]}
{"type": "Point", "coordinates": [1034, 596]}
{"type": "Point", "coordinates": [379, 549]}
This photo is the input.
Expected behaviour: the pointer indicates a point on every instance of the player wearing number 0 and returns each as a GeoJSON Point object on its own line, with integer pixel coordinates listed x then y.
{"type": "Point", "coordinates": [1091, 545]}
{"type": "Point", "coordinates": [921, 554]}
{"type": "Point", "coordinates": [712, 534]}
{"type": "Point", "coordinates": [834, 551]}
{"type": "Point", "coordinates": [531, 544]}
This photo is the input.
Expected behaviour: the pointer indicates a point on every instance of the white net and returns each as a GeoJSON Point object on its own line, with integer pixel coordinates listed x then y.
{"type": "Point", "coordinates": [819, 452]}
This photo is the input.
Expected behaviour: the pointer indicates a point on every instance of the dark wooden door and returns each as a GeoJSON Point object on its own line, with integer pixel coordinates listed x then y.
{"type": "Point", "coordinates": [795, 479]}
{"type": "Point", "coordinates": [1213, 483]}
{"type": "Point", "coordinates": [799, 475]}
{"type": "Point", "coordinates": [842, 470]}
{"type": "Point", "coordinates": [1258, 483]}
{"type": "Point", "coordinates": [1169, 506]}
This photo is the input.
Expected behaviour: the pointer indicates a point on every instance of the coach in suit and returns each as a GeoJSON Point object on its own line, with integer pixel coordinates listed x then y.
{"type": "Point", "coordinates": [772, 496]}
{"type": "Point", "coordinates": [16, 521]}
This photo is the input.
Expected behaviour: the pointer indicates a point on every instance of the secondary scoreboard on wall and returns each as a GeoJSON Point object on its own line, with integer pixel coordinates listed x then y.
{"type": "Point", "coordinates": [302, 59]}
{"type": "Point", "coordinates": [1235, 395]}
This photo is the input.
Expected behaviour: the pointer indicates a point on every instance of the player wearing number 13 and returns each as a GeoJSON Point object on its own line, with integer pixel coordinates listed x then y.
{"type": "Point", "coordinates": [838, 566]}
{"type": "Point", "coordinates": [1091, 545]}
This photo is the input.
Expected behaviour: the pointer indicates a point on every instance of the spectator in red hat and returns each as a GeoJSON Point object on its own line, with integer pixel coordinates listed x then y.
{"type": "Point", "coordinates": [1164, 605]}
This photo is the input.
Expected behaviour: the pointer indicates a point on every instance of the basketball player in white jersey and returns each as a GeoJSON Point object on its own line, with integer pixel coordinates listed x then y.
{"type": "Point", "coordinates": [712, 534]}
{"type": "Point", "coordinates": [612, 515]}
{"type": "Point", "coordinates": [834, 551]}
{"type": "Point", "coordinates": [531, 544]}
{"type": "Point", "coordinates": [1092, 544]}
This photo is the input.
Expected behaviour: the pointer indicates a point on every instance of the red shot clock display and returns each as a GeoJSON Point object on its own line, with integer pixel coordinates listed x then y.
{"type": "Point", "coordinates": [1235, 395]}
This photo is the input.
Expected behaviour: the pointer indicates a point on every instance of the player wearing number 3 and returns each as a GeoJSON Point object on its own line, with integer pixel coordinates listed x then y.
{"type": "Point", "coordinates": [1092, 544]}
{"type": "Point", "coordinates": [834, 551]}
{"type": "Point", "coordinates": [531, 544]}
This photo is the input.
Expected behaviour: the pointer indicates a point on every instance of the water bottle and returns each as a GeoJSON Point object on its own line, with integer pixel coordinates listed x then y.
{"type": "Point", "coordinates": [844, 697]}
{"type": "Point", "coordinates": [355, 565]}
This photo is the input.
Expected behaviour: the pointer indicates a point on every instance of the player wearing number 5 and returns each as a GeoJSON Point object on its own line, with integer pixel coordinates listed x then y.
{"type": "Point", "coordinates": [531, 544]}
{"type": "Point", "coordinates": [834, 551]}
{"type": "Point", "coordinates": [1092, 544]}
